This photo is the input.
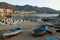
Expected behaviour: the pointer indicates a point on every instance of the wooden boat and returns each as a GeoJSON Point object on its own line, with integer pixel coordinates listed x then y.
{"type": "Point", "coordinates": [3, 22]}
{"type": "Point", "coordinates": [40, 31]}
{"type": "Point", "coordinates": [50, 29]}
{"type": "Point", "coordinates": [54, 26]}
{"type": "Point", "coordinates": [57, 28]}
{"type": "Point", "coordinates": [12, 31]}
{"type": "Point", "coordinates": [16, 22]}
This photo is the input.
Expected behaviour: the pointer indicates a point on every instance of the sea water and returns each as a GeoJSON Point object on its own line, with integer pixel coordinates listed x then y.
{"type": "Point", "coordinates": [19, 16]}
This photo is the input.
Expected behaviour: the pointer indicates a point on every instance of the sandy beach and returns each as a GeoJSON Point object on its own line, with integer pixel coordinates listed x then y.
{"type": "Point", "coordinates": [27, 27]}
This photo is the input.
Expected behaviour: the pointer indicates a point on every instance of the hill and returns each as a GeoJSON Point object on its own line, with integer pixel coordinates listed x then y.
{"type": "Point", "coordinates": [28, 8]}
{"type": "Point", "coordinates": [6, 5]}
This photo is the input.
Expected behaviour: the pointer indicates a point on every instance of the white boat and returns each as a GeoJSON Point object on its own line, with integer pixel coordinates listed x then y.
{"type": "Point", "coordinates": [8, 21]}
{"type": "Point", "coordinates": [20, 21]}
{"type": "Point", "coordinates": [16, 22]}
{"type": "Point", "coordinates": [51, 29]}
{"type": "Point", "coordinates": [12, 31]}
{"type": "Point", "coordinates": [3, 22]}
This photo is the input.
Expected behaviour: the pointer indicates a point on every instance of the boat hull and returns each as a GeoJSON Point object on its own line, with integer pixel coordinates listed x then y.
{"type": "Point", "coordinates": [8, 35]}
{"type": "Point", "coordinates": [13, 33]}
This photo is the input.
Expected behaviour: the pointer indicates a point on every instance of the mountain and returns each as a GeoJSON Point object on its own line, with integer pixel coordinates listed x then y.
{"type": "Point", "coordinates": [37, 9]}
{"type": "Point", "coordinates": [6, 5]}
{"type": "Point", "coordinates": [28, 8]}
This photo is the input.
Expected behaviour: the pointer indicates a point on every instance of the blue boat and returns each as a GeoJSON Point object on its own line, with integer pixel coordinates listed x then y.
{"type": "Point", "coordinates": [50, 38]}
{"type": "Point", "coordinates": [12, 31]}
{"type": "Point", "coordinates": [39, 31]}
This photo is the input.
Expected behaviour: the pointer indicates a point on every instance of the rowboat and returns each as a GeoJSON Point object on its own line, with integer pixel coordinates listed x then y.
{"type": "Point", "coordinates": [41, 30]}
{"type": "Point", "coordinates": [54, 27]}
{"type": "Point", "coordinates": [12, 31]}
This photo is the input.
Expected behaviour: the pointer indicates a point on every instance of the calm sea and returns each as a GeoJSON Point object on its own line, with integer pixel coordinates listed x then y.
{"type": "Point", "coordinates": [45, 15]}
{"type": "Point", "coordinates": [18, 16]}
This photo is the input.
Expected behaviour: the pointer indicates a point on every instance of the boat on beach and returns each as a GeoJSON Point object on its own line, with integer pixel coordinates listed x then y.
{"type": "Point", "coordinates": [12, 31]}
{"type": "Point", "coordinates": [54, 26]}
{"type": "Point", "coordinates": [8, 21]}
{"type": "Point", "coordinates": [15, 22]}
{"type": "Point", "coordinates": [40, 31]}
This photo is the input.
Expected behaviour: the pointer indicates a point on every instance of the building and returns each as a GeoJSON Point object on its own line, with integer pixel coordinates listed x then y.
{"type": "Point", "coordinates": [5, 12]}
{"type": "Point", "coordinates": [24, 12]}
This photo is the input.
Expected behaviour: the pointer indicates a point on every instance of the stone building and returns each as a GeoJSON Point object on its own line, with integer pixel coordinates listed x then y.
{"type": "Point", "coordinates": [5, 12]}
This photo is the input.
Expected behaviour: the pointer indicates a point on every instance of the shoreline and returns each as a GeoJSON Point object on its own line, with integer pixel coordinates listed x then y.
{"type": "Point", "coordinates": [27, 27]}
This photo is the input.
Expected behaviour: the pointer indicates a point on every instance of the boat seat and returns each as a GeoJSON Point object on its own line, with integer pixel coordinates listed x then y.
{"type": "Point", "coordinates": [6, 31]}
{"type": "Point", "coordinates": [42, 27]}
{"type": "Point", "coordinates": [14, 29]}
{"type": "Point", "coordinates": [37, 30]}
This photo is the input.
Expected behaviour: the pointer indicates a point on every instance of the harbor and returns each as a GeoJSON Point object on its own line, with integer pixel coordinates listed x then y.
{"type": "Point", "coordinates": [29, 20]}
{"type": "Point", "coordinates": [26, 33]}
{"type": "Point", "coordinates": [9, 25]}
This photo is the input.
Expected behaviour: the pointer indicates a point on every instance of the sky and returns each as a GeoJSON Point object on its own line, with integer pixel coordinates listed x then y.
{"type": "Point", "coordinates": [54, 4]}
